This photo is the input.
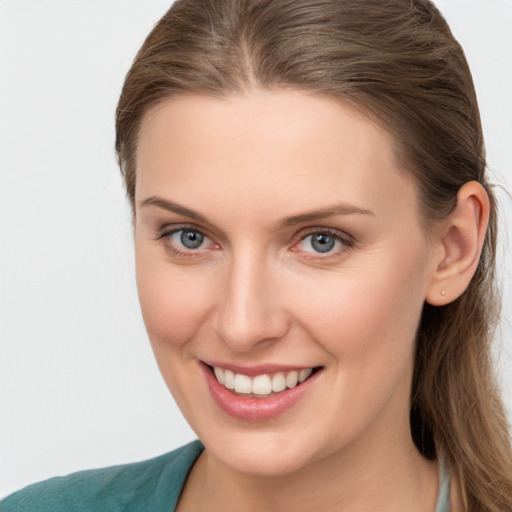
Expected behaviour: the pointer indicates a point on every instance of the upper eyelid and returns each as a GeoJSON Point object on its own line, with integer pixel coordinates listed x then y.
{"type": "Point", "coordinates": [313, 230]}
{"type": "Point", "coordinates": [337, 233]}
{"type": "Point", "coordinates": [169, 229]}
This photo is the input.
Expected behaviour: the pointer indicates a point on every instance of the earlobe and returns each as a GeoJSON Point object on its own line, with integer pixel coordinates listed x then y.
{"type": "Point", "coordinates": [461, 240]}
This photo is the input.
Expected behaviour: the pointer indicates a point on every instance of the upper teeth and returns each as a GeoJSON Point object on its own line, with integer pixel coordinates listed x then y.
{"type": "Point", "coordinates": [261, 384]}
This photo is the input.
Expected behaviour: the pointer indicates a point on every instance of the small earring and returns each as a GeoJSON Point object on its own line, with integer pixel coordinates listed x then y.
{"type": "Point", "coordinates": [443, 293]}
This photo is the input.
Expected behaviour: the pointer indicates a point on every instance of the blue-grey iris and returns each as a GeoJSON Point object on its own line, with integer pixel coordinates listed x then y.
{"type": "Point", "coordinates": [322, 242]}
{"type": "Point", "coordinates": [191, 239]}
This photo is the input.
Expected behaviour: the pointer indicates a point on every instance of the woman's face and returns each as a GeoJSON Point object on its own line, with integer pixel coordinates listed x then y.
{"type": "Point", "coordinates": [276, 237]}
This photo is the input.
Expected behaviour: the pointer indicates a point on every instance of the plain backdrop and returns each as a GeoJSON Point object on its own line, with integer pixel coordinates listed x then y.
{"type": "Point", "coordinates": [78, 384]}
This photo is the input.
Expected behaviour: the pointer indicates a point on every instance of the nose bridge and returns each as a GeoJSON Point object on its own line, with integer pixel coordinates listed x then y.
{"type": "Point", "coordinates": [249, 311]}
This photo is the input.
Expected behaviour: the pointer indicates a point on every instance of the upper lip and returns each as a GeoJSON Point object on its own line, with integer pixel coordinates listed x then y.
{"type": "Point", "coordinates": [252, 371]}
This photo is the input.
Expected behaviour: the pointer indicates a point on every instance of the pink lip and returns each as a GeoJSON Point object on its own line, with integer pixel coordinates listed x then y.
{"type": "Point", "coordinates": [255, 409]}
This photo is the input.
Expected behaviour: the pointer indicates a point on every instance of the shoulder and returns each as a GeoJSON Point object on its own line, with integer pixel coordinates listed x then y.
{"type": "Point", "coordinates": [153, 484]}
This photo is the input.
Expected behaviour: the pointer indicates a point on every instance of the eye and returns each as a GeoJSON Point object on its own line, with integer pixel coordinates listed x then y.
{"type": "Point", "coordinates": [189, 239]}
{"type": "Point", "coordinates": [322, 242]}
{"type": "Point", "coordinates": [184, 242]}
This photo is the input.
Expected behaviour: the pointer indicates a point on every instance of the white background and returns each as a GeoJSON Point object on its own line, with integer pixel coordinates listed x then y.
{"type": "Point", "coordinates": [78, 384]}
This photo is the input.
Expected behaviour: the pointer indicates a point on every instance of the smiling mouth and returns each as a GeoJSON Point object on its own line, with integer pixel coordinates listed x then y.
{"type": "Point", "coordinates": [264, 385]}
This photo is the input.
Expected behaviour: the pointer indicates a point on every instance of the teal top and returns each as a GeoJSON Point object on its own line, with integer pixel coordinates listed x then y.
{"type": "Point", "coordinates": [153, 485]}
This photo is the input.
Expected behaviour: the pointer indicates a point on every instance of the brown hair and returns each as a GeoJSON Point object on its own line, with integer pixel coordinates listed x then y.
{"type": "Point", "coordinates": [398, 63]}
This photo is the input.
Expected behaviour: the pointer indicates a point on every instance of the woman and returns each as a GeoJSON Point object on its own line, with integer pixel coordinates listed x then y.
{"type": "Point", "coordinates": [315, 240]}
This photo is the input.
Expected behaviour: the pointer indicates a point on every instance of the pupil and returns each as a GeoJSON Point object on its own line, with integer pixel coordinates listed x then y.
{"type": "Point", "coordinates": [322, 242]}
{"type": "Point", "coordinates": [191, 239]}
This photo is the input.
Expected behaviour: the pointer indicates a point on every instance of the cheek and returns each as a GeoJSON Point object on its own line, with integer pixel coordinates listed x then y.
{"type": "Point", "coordinates": [174, 306]}
{"type": "Point", "coordinates": [369, 314]}
{"type": "Point", "coordinates": [173, 300]}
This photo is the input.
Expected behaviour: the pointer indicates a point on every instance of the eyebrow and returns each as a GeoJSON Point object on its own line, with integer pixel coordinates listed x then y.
{"type": "Point", "coordinates": [171, 206]}
{"type": "Point", "coordinates": [294, 220]}
{"type": "Point", "coordinates": [335, 209]}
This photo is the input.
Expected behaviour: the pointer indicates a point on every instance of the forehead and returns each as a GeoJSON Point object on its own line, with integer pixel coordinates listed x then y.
{"type": "Point", "coordinates": [273, 146]}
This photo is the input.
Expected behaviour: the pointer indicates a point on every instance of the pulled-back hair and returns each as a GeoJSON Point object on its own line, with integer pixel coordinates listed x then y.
{"type": "Point", "coordinates": [397, 62]}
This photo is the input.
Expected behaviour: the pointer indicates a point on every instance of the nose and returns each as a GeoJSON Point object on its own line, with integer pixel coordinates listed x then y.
{"type": "Point", "coordinates": [249, 314]}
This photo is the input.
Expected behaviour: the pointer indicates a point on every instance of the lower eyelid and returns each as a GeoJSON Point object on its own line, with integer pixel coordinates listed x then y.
{"type": "Point", "coordinates": [174, 250]}
{"type": "Point", "coordinates": [333, 255]}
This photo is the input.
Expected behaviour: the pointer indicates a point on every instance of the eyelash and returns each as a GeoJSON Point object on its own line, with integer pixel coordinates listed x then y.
{"type": "Point", "coordinates": [346, 241]}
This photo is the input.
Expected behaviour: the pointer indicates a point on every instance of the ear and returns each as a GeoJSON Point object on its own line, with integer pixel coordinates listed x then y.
{"type": "Point", "coordinates": [460, 242]}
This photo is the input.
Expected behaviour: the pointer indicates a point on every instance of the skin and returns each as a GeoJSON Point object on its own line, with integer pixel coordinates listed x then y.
{"type": "Point", "coordinates": [256, 292]}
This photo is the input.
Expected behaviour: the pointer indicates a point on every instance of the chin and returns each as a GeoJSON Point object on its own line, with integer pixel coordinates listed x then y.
{"type": "Point", "coordinates": [257, 464]}
{"type": "Point", "coordinates": [260, 454]}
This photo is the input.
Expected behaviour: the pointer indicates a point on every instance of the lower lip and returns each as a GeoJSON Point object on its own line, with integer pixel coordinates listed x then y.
{"type": "Point", "coordinates": [255, 409]}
